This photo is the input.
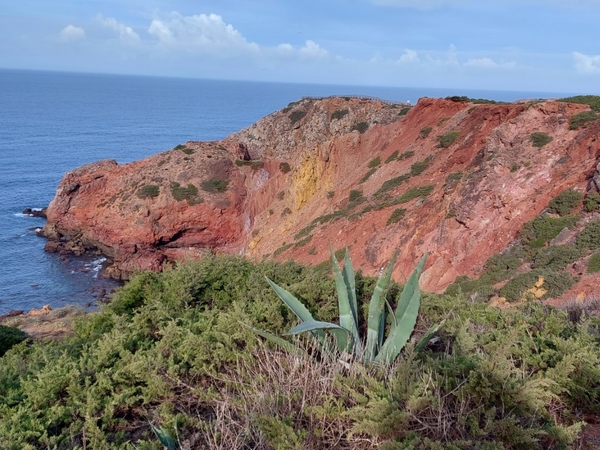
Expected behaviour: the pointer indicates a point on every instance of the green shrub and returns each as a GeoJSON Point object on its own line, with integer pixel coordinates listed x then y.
{"type": "Point", "coordinates": [188, 151]}
{"type": "Point", "coordinates": [284, 167]}
{"type": "Point", "coordinates": [392, 157]}
{"type": "Point", "coordinates": [407, 154]}
{"type": "Point", "coordinates": [330, 194]}
{"type": "Point", "coordinates": [556, 283]}
{"type": "Point", "coordinates": [555, 257]}
{"type": "Point", "coordinates": [404, 111]}
{"type": "Point", "coordinates": [392, 184]}
{"type": "Point", "coordinates": [424, 132]}
{"type": "Point", "coordinates": [339, 114]}
{"type": "Point", "coordinates": [589, 237]}
{"type": "Point", "coordinates": [592, 100]}
{"type": "Point", "coordinates": [148, 191]}
{"type": "Point", "coordinates": [592, 202]}
{"type": "Point", "coordinates": [443, 121]}
{"type": "Point", "coordinates": [412, 193]}
{"type": "Point", "coordinates": [446, 140]}
{"type": "Point", "coordinates": [502, 265]}
{"type": "Point", "coordinates": [565, 202]}
{"type": "Point", "coordinates": [540, 139]}
{"type": "Point", "coordinates": [215, 185]}
{"type": "Point", "coordinates": [396, 216]}
{"type": "Point", "coordinates": [303, 242]}
{"type": "Point", "coordinates": [9, 337]}
{"type": "Point", "coordinates": [255, 165]}
{"type": "Point", "coordinates": [361, 127]}
{"type": "Point", "coordinates": [374, 162]}
{"type": "Point", "coordinates": [593, 265]}
{"type": "Point", "coordinates": [367, 175]}
{"type": "Point", "coordinates": [583, 119]}
{"type": "Point", "coordinates": [418, 167]}
{"type": "Point", "coordinates": [297, 115]}
{"type": "Point", "coordinates": [453, 178]}
{"type": "Point", "coordinates": [282, 249]}
{"type": "Point", "coordinates": [305, 231]}
{"type": "Point", "coordinates": [541, 230]}
{"type": "Point", "coordinates": [355, 195]}
{"type": "Point", "coordinates": [189, 193]}
{"type": "Point", "coordinates": [179, 147]}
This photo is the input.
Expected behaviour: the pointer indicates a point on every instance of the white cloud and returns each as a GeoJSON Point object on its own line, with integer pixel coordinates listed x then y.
{"type": "Point", "coordinates": [71, 33]}
{"type": "Point", "coordinates": [586, 63]}
{"type": "Point", "coordinates": [313, 50]}
{"type": "Point", "coordinates": [126, 34]}
{"type": "Point", "coordinates": [199, 32]}
{"type": "Point", "coordinates": [409, 56]}
{"type": "Point", "coordinates": [489, 63]}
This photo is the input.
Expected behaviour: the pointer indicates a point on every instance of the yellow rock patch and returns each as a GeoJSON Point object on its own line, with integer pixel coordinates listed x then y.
{"type": "Point", "coordinates": [307, 178]}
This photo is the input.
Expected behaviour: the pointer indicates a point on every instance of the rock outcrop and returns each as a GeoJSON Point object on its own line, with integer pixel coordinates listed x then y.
{"type": "Point", "coordinates": [454, 179]}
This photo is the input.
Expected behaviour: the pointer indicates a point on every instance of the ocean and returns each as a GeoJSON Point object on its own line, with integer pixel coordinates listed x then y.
{"type": "Point", "coordinates": [52, 122]}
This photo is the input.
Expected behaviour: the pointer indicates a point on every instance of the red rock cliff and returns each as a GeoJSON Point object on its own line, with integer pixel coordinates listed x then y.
{"type": "Point", "coordinates": [454, 179]}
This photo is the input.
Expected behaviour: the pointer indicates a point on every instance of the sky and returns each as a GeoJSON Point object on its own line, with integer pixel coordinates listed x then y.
{"type": "Point", "coordinates": [512, 45]}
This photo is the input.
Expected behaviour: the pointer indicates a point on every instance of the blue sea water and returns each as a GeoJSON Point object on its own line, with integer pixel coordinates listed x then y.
{"type": "Point", "coordinates": [51, 123]}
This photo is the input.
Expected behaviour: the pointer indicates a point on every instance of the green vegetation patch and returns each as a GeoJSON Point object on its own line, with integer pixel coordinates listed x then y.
{"type": "Point", "coordinates": [541, 230]}
{"type": "Point", "coordinates": [361, 127]}
{"type": "Point", "coordinates": [337, 115]}
{"type": "Point", "coordinates": [424, 132]}
{"type": "Point", "coordinates": [171, 348]}
{"type": "Point", "coordinates": [284, 167]}
{"type": "Point", "coordinates": [415, 192]}
{"type": "Point", "coordinates": [179, 147]}
{"type": "Point", "coordinates": [418, 167]}
{"type": "Point", "coordinates": [583, 119]}
{"type": "Point", "coordinates": [404, 111]}
{"type": "Point", "coordinates": [396, 216]}
{"type": "Point", "coordinates": [215, 185]}
{"type": "Point", "coordinates": [555, 257]}
{"type": "Point", "coordinates": [367, 175]}
{"type": "Point", "coordinates": [479, 101]}
{"type": "Point", "coordinates": [355, 196]}
{"type": "Point", "coordinates": [297, 115]}
{"type": "Point", "coordinates": [374, 162]}
{"type": "Point", "coordinates": [540, 139]}
{"type": "Point", "coordinates": [148, 191]}
{"type": "Point", "coordinates": [592, 202]}
{"type": "Point", "coordinates": [305, 231]}
{"type": "Point", "coordinates": [188, 151]}
{"type": "Point", "coordinates": [589, 237]}
{"type": "Point", "coordinates": [406, 155]}
{"type": "Point", "coordinates": [282, 249]}
{"type": "Point", "coordinates": [592, 100]}
{"type": "Point", "coordinates": [189, 193]}
{"type": "Point", "coordinates": [303, 242]}
{"type": "Point", "coordinates": [556, 283]}
{"type": "Point", "coordinates": [253, 164]}
{"type": "Point", "coordinates": [9, 337]}
{"type": "Point", "coordinates": [446, 140]}
{"type": "Point", "coordinates": [392, 157]}
{"type": "Point", "coordinates": [593, 265]}
{"type": "Point", "coordinates": [565, 202]}
{"type": "Point", "coordinates": [392, 184]}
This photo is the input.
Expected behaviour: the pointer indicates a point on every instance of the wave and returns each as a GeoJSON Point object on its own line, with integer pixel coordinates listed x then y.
{"type": "Point", "coordinates": [95, 266]}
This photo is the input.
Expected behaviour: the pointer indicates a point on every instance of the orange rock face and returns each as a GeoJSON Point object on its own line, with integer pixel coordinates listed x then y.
{"type": "Point", "coordinates": [454, 179]}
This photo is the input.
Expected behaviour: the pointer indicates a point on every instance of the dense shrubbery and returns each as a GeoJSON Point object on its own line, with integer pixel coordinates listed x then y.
{"type": "Point", "coordinates": [172, 349]}
{"type": "Point", "coordinates": [361, 127]}
{"type": "Point", "coordinates": [565, 202]}
{"type": "Point", "coordinates": [148, 191]}
{"type": "Point", "coordinates": [9, 337]}
{"type": "Point", "coordinates": [539, 139]}
{"type": "Point", "coordinates": [446, 140]}
{"type": "Point", "coordinates": [583, 119]}
{"type": "Point", "coordinates": [592, 100]}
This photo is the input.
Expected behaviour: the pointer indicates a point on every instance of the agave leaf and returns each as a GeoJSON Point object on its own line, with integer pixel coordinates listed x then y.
{"type": "Point", "coordinates": [342, 335]}
{"type": "Point", "coordinates": [428, 335]}
{"type": "Point", "coordinates": [349, 280]}
{"type": "Point", "coordinates": [165, 437]}
{"type": "Point", "coordinates": [347, 316]}
{"type": "Point", "coordinates": [406, 317]}
{"type": "Point", "coordinates": [376, 306]}
{"type": "Point", "coordinates": [286, 345]}
{"type": "Point", "coordinates": [296, 307]}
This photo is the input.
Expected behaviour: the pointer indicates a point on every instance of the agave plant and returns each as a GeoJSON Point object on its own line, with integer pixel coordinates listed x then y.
{"type": "Point", "coordinates": [346, 334]}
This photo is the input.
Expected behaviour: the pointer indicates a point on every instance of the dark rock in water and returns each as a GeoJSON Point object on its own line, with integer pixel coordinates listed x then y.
{"type": "Point", "coordinates": [12, 313]}
{"type": "Point", "coordinates": [35, 212]}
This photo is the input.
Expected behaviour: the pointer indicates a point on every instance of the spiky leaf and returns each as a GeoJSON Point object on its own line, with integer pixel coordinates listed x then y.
{"type": "Point", "coordinates": [296, 307]}
{"type": "Point", "coordinates": [406, 317]}
{"type": "Point", "coordinates": [347, 316]}
{"type": "Point", "coordinates": [165, 437]}
{"type": "Point", "coordinates": [376, 310]}
{"type": "Point", "coordinates": [286, 345]}
{"type": "Point", "coordinates": [341, 335]}
{"type": "Point", "coordinates": [428, 335]}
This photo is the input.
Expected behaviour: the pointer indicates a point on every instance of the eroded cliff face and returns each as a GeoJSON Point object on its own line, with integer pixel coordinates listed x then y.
{"type": "Point", "coordinates": [454, 179]}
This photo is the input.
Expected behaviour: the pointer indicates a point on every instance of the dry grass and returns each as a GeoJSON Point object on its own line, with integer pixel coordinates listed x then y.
{"type": "Point", "coordinates": [280, 398]}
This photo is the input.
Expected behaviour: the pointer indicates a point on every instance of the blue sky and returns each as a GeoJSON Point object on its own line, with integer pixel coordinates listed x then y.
{"type": "Point", "coordinates": [525, 45]}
